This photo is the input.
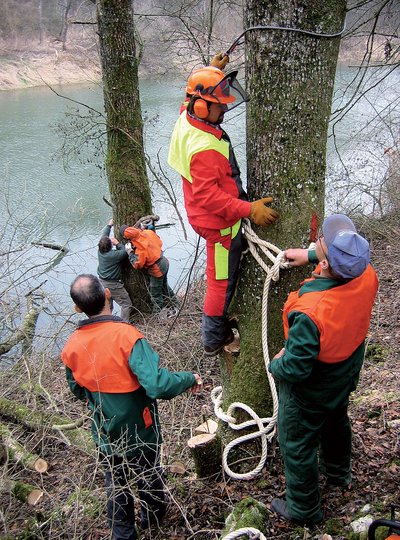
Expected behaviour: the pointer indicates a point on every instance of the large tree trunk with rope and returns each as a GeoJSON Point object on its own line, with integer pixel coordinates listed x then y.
{"type": "Point", "coordinates": [125, 162]}
{"type": "Point", "coordinates": [290, 78]}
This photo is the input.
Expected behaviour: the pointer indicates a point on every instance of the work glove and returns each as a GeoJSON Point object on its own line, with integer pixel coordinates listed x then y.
{"type": "Point", "coordinates": [128, 247]}
{"type": "Point", "coordinates": [220, 60]}
{"type": "Point", "coordinates": [263, 215]}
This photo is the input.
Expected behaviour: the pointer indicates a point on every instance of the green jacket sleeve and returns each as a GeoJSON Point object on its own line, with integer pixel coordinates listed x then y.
{"type": "Point", "coordinates": [75, 388]}
{"type": "Point", "coordinates": [312, 256]}
{"type": "Point", "coordinates": [301, 350]}
{"type": "Point", "coordinates": [159, 383]}
{"type": "Point", "coordinates": [106, 231]}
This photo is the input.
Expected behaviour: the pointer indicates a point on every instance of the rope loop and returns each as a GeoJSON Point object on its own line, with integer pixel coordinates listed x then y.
{"type": "Point", "coordinates": [251, 532]}
{"type": "Point", "coordinates": [263, 252]}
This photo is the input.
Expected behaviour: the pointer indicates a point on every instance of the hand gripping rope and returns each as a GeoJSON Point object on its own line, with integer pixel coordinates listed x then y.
{"type": "Point", "coordinates": [266, 426]}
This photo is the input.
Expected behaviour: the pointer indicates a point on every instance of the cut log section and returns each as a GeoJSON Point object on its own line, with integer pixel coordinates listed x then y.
{"type": "Point", "coordinates": [23, 492]}
{"type": "Point", "coordinates": [209, 426]}
{"type": "Point", "coordinates": [16, 452]}
{"type": "Point", "coordinates": [206, 452]}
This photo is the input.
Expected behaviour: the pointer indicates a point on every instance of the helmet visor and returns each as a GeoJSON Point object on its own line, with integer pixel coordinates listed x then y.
{"type": "Point", "coordinates": [230, 92]}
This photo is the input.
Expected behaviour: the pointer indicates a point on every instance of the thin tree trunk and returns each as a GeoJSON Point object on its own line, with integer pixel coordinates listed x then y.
{"type": "Point", "coordinates": [41, 28]}
{"type": "Point", "coordinates": [26, 332]}
{"type": "Point", "coordinates": [125, 162]}
{"type": "Point", "coordinates": [65, 24]}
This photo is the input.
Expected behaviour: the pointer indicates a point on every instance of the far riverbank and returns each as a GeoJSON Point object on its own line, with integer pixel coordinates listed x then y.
{"type": "Point", "coordinates": [49, 65]}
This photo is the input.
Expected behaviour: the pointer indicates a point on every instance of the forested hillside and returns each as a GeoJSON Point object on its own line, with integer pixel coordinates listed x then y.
{"type": "Point", "coordinates": [56, 40]}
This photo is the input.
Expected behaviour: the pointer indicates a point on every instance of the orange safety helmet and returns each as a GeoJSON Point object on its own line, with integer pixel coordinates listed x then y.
{"type": "Point", "coordinates": [211, 84]}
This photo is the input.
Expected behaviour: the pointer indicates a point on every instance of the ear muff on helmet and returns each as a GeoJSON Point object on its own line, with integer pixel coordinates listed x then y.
{"type": "Point", "coordinates": [199, 107]}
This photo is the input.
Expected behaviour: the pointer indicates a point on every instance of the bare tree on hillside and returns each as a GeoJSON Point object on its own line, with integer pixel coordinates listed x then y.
{"type": "Point", "coordinates": [192, 31]}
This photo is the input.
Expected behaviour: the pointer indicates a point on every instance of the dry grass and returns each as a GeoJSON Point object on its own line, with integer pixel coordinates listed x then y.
{"type": "Point", "coordinates": [74, 501]}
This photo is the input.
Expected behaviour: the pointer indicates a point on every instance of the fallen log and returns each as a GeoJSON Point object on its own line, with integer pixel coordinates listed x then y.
{"type": "Point", "coordinates": [23, 492]}
{"type": "Point", "coordinates": [16, 452]}
{"type": "Point", "coordinates": [49, 245]}
{"type": "Point", "coordinates": [25, 332]}
{"type": "Point", "coordinates": [35, 420]}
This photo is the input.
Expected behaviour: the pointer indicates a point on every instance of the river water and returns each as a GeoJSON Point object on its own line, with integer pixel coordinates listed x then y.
{"type": "Point", "coordinates": [41, 201]}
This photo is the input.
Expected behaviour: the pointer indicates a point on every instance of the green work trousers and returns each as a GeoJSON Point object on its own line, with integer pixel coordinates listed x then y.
{"type": "Point", "coordinates": [160, 292]}
{"type": "Point", "coordinates": [313, 434]}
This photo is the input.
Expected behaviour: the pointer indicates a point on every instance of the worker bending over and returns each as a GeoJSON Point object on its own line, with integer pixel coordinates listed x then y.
{"type": "Point", "coordinates": [146, 254]}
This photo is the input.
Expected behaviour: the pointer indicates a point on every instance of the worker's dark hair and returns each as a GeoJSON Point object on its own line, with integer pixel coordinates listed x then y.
{"type": "Point", "coordinates": [105, 244]}
{"type": "Point", "coordinates": [88, 294]}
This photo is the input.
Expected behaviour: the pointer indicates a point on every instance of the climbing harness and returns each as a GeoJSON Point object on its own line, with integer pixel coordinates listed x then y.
{"type": "Point", "coordinates": [266, 426]}
{"type": "Point", "coordinates": [286, 28]}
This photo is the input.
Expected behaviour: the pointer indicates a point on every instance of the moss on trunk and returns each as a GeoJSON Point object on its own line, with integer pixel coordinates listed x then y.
{"type": "Point", "coordinates": [290, 80]}
{"type": "Point", "coordinates": [125, 162]}
{"type": "Point", "coordinates": [19, 413]}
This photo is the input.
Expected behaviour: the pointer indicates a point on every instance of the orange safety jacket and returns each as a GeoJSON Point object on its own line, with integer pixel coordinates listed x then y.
{"type": "Point", "coordinates": [148, 246]}
{"type": "Point", "coordinates": [99, 360]}
{"type": "Point", "coordinates": [341, 314]}
{"type": "Point", "coordinates": [212, 188]}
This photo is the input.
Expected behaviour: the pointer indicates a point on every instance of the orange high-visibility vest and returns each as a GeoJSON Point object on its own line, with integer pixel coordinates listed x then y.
{"type": "Point", "coordinates": [341, 314]}
{"type": "Point", "coordinates": [97, 354]}
{"type": "Point", "coordinates": [148, 246]}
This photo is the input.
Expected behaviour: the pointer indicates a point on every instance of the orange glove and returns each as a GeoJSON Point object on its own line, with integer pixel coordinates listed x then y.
{"type": "Point", "coordinates": [261, 214]}
{"type": "Point", "coordinates": [220, 60]}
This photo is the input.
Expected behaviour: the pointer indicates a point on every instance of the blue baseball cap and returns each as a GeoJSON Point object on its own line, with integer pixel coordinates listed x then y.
{"type": "Point", "coordinates": [348, 252]}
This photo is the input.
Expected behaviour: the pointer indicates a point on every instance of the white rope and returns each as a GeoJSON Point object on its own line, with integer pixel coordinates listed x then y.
{"type": "Point", "coordinates": [255, 534]}
{"type": "Point", "coordinates": [266, 426]}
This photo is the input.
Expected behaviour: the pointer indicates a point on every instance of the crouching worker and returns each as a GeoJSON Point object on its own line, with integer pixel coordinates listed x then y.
{"type": "Point", "coordinates": [326, 322]}
{"type": "Point", "coordinates": [146, 254]}
{"type": "Point", "coordinates": [110, 365]}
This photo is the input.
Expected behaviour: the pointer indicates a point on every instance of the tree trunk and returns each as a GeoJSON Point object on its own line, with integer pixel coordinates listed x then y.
{"type": "Point", "coordinates": [290, 79]}
{"type": "Point", "coordinates": [205, 448]}
{"type": "Point", "coordinates": [40, 17]}
{"type": "Point", "coordinates": [125, 162]}
{"type": "Point", "coordinates": [248, 513]}
{"type": "Point", "coordinates": [64, 28]}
